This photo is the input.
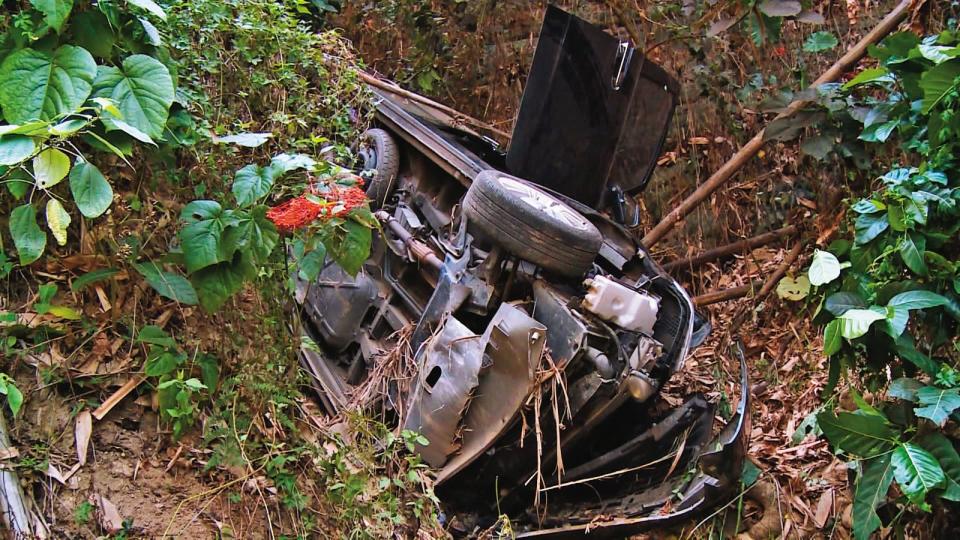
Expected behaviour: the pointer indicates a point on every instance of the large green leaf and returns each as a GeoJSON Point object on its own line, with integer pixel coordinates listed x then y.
{"type": "Point", "coordinates": [38, 85]}
{"type": "Point", "coordinates": [946, 454]}
{"type": "Point", "coordinates": [841, 302]}
{"type": "Point", "coordinates": [151, 7]}
{"type": "Point", "coordinates": [832, 340]}
{"type": "Point", "coordinates": [904, 388]}
{"type": "Point", "coordinates": [350, 246]}
{"type": "Point", "coordinates": [216, 283]}
{"type": "Point", "coordinates": [868, 76]}
{"type": "Point", "coordinates": [142, 89]}
{"type": "Point", "coordinates": [15, 148]}
{"type": "Point", "coordinates": [55, 12]}
{"type": "Point", "coordinates": [202, 238]}
{"type": "Point", "coordinates": [908, 351]}
{"type": "Point", "coordinates": [168, 284]}
{"type": "Point", "coordinates": [312, 263]}
{"type": "Point", "coordinates": [90, 189]}
{"type": "Point", "coordinates": [861, 435]}
{"type": "Point", "coordinates": [869, 226]}
{"type": "Point", "coordinates": [917, 471]}
{"type": "Point", "coordinates": [917, 300]}
{"type": "Point", "coordinates": [912, 255]}
{"type": "Point", "coordinates": [872, 487]}
{"type": "Point", "coordinates": [939, 81]}
{"type": "Point", "coordinates": [936, 404]}
{"type": "Point", "coordinates": [50, 167]}
{"type": "Point", "coordinates": [27, 235]}
{"type": "Point", "coordinates": [253, 182]}
{"type": "Point", "coordinates": [855, 322]}
{"type": "Point", "coordinates": [93, 32]}
{"type": "Point", "coordinates": [253, 232]}
{"type": "Point", "coordinates": [92, 277]}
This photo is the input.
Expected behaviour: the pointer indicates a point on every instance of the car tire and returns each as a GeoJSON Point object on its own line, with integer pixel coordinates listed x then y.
{"type": "Point", "coordinates": [379, 153]}
{"type": "Point", "coordinates": [530, 223]}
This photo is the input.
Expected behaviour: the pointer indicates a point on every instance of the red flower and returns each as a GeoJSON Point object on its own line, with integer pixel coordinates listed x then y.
{"type": "Point", "coordinates": [301, 211]}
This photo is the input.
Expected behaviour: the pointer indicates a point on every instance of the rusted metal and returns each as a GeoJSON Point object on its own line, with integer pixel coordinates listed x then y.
{"type": "Point", "coordinates": [420, 251]}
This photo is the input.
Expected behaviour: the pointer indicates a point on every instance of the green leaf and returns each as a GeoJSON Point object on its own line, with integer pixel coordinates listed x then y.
{"type": "Point", "coordinates": [68, 127]}
{"type": "Point", "coordinates": [19, 183]}
{"type": "Point", "coordinates": [14, 398]}
{"type": "Point", "coordinates": [820, 41]}
{"type": "Point", "coordinates": [209, 371]}
{"type": "Point", "coordinates": [15, 148]}
{"type": "Point", "coordinates": [93, 32]}
{"type": "Point", "coordinates": [840, 302]}
{"type": "Point", "coordinates": [27, 235]}
{"type": "Point", "coordinates": [793, 289]}
{"type": "Point", "coordinates": [312, 263]}
{"type": "Point", "coordinates": [168, 284]}
{"type": "Point", "coordinates": [38, 85]}
{"type": "Point", "coordinates": [869, 76]}
{"type": "Point", "coordinates": [202, 239]}
{"type": "Point", "coordinates": [253, 182]}
{"type": "Point", "coordinates": [917, 471]}
{"type": "Point", "coordinates": [92, 277]}
{"type": "Point", "coordinates": [917, 300]}
{"type": "Point", "coordinates": [904, 388]}
{"type": "Point", "coordinates": [869, 226]}
{"type": "Point", "coordinates": [215, 284]}
{"type": "Point", "coordinates": [912, 255]}
{"type": "Point", "coordinates": [855, 322]}
{"type": "Point", "coordinates": [937, 82]}
{"type": "Point", "coordinates": [832, 340]}
{"type": "Point", "coordinates": [55, 12]}
{"type": "Point", "coordinates": [937, 54]}
{"type": "Point", "coordinates": [249, 140]}
{"type": "Point", "coordinates": [872, 487]}
{"type": "Point", "coordinates": [285, 163]}
{"type": "Point", "coordinates": [897, 319]}
{"type": "Point", "coordinates": [57, 221]}
{"type": "Point", "coordinates": [824, 268]}
{"type": "Point", "coordinates": [142, 90]}
{"type": "Point", "coordinates": [350, 247]}
{"type": "Point", "coordinates": [162, 363]}
{"type": "Point", "coordinates": [151, 32]}
{"type": "Point", "coordinates": [252, 232]}
{"type": "Point", "coordinates": [91, 191]}
{"type": "Point", "coordinates": [780, 8]}
{"type": "Point", "coordinates": [50, 167]}
{"type": "Point", "coordinates": [131, 131]}
{"type": "Point", "coordinates": [861, 435]}
{"type": "Point", "coordinates": [946, 454]}
{"type": "Point", "coordinates": [151, 7]}
{"type": "Point", "coordinates": [937, 404]}
{"type": "Point", "coordinates": [154, 335]}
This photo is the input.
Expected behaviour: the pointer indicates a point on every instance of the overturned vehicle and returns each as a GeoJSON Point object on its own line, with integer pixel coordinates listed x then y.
{"type": "Point", "coordinates": [540, 331]}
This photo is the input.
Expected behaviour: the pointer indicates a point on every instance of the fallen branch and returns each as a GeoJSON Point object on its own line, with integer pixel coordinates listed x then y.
{"type": "Point", "coordinates": [117, 396]}
{"type": "Point", "coordinates": [732, 249]}
{"type": "Point", "coordinates": [724, 173]}
{"type": "Point", "coordinates": [724, 295]}
{"type": "Point", "coordinates": [781, 270]}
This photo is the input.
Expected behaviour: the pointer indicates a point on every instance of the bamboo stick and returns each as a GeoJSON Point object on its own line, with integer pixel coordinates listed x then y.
{"type": "Point", "coordinates": [724, 173]}
{"type": "Point", "coordinates": [723, 295]}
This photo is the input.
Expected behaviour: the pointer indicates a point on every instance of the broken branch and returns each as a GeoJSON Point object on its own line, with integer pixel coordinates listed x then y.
{"type": "Point", "coordinates": [732, 249]}
{"type": "Point", "coordinates": [723, 295]}
{"type": "Point", "coordinates": [724, 173]}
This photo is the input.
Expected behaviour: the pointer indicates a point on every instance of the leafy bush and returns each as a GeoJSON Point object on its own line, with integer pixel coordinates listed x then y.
{"type": "Point", "coordinates": [74, 80]}
{"type": "Point", "coordinates": [889, 290]}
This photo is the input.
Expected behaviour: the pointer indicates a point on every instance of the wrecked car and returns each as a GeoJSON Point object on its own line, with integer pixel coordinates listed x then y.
{"type": "Point", "coordinates": [540, 330]}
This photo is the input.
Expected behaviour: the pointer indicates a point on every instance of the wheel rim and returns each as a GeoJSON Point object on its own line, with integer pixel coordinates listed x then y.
{"type": "Point", "coordinates": [543, 202]}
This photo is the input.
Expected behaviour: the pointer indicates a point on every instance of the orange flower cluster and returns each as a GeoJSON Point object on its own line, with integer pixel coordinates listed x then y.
{"type": "Point", "coordinates": [301, 211]}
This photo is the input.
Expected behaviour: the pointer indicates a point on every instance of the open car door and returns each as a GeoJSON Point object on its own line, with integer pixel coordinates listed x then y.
{"type": "Point", "coordinates": [594, 114]}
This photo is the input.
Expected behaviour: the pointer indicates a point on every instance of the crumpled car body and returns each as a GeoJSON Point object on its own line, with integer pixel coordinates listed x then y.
{"type": "Point", "coordinates": [541, 331]}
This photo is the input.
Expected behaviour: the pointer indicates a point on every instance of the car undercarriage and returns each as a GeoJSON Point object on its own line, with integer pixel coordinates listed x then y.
{"type": "Point", "coordinates": [539, 331]}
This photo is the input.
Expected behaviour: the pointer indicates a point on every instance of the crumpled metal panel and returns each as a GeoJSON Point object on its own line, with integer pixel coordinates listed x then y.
{"type": "Point", "coordinates": [448, 372]}
{"type": "Point", "coordinates": [514, 342]}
